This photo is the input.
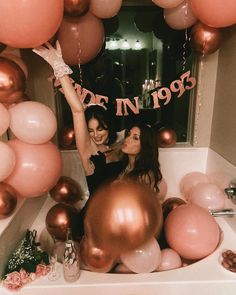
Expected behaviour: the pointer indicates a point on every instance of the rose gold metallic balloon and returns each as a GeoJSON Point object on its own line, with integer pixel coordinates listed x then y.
{"type": "Point", "coordinates": [12, 81]}
{"type": "Point", "coordinates": [75, 7]}
{"type": "Point", "coordinates": [170, 204]}
{"type": "Point", "coordinates": [95, 259]}
{"type": "Point", "coordinates": [166, 137]}
{"type": "Point", "coordinates": [59, 218]}
{"type": "Point", "coordinates": [204, 39]}
{"type": "Point", "coordinates": [67, 138]}
{"type": "Point", "coordinates": [66, 191]}
{"type": "Point", "coordinates": [8, 200]}
{"type": "Point", "coordinates": [122, 216]}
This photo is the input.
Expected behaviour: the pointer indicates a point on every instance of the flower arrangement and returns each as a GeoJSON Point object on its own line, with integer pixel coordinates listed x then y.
{"type": "Point", "coordinates": [26, 264]}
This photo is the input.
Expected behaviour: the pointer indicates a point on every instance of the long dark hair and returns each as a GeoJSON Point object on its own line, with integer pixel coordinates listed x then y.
{"type": "Point", "coordinates": [146, 163]}
{"type": "Point", "coordinates": [105, 120]}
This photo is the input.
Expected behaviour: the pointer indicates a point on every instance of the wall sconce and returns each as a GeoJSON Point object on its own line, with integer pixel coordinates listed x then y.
{"type": "Point", "coordinates": [125, 45]}
{"type": "Point", "coordinates": [137, 45]}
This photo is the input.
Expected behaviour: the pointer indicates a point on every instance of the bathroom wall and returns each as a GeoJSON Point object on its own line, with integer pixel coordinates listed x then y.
{"type": "Point", "coordinates": [223, 134]}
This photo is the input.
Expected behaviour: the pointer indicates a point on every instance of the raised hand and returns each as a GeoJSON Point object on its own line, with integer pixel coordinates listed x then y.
{"type": "Point", "coordinates": [54, 57]}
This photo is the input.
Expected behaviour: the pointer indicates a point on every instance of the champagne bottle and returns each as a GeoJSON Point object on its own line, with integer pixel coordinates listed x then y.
{"type": "Point", "coordinates": [71, 264]}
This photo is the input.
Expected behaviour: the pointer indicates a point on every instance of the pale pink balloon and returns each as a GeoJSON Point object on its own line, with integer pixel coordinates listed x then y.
{"type": "Point", "coordinates": [7, 160]}
{"type": "Point", "coordinates": [4, 119]}
{"type": "Point", "coordinates": [180, 17]}
{"type": "Point", "coordinates": [105, 8]}
{"type": "Point", "coordinates": [144, 259]}
{"type": "Point", "coordinates": [162, 189]}
{"type": "Point", "coordinates": [37, 169]}
{"type": "Point", "coordinates": [167, 3]}
{"type": "Point", "coordinates": [190, 180]}
{"type": "Point", "coordinates": [170, 259]}
{"type": "Point", "coordinates": [208, 196]}
{"type": "Point", "coordinates": [18, 60]}
{"type": "Point", "coordinates": [215, 13]}
{"type": "Point", "coordinates": [81, 38]}
{"type": "Point", "coordinates": [191, 231]}
{"type": "Point", "coordinates": [32, 122]}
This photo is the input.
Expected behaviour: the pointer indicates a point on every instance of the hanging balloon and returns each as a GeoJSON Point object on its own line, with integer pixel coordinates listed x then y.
{"type": "Point", "coordinates": [105, 8]}
{"type": "Point", "coordinates": [66, 191]}
{"type": "Point", "coordinates": [180, 17]}
{"type": "Point", "coordinates": [167, 3]}
{"type": "Point", "coordinates": [205, 40]}
{"type": "Point", "coordinates": [8, 200]}
{"type": "Point", "coordinates": [81, 38]}
{"type": "Point", "coordinates": [18, 60]}
{"type": "Point", "coordinates": [67, 138]}
{"type": "Point", "coordinates": [32, 122]}
{"type": "Point", "coordinates": [28, 24]}
{"type": "Point", "coordinates": [95, 259]}
{"type": "Point", "coordinates": [2, 47]}
{"type": "Point", "coordinates": [111, 228]}
{"type": "Point", "coordinates": [111, 25]}
{"type": "Point", "coordinates": [37, 169]}
{"type": "Point", "coordinates": [75, 7]}
{"type": "Point", "coordinates": [215, 13]}
{"type": "Point", "coordinates": [12, 80]}
{"type": "Point", "coordinates": [166, 137]}
{"type": "Point", "coordinates": [7, 160]}
{"type": "Point", "coordinates": [59, 218]}
{"type": "Point", "coordinates": [5, 119]}
{"type": "Point", "coordinates": [143, 20]}
{"type": "Point", "coordinates": [170, 204]}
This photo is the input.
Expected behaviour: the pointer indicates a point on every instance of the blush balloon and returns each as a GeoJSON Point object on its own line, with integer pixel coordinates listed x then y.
{"type": "Point", "coordinates": [81, 39]}
{"type": "Point", "coordinates": [190, 180]}
{"type": "Point", "coordinates": [5, 119]}
{"type": "Point", "coordinates": [28, 24]}
{"type": "Point", "coordinates": [12, 80]}
{"type": "Point", "coordinates": [162, 189]}
{"type": "Point", "coordinates": [32, 122]}
{"type": "Point", "coordinates": [7, 160]}
{"type": "Point", "coordinates": [167, 3]}
{"type": "Point", "coordinates": [8, 200]}
{"type": "Point", "coordinates": [37, 169]}
{"type": "Point", "coordinates": [105, 8]}
{"type": "Point", "coordinates": [192, 232]}
{"type": "Point", "coordinates": [208, 196]}
{"type": "Point", "coordinates": [170, 259]}
{"type": "Point", "coordinates": [75, 7]}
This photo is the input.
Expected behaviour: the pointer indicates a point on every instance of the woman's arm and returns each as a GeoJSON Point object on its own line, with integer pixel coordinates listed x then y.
{"type": "Point", "coordinates": [61, 70]}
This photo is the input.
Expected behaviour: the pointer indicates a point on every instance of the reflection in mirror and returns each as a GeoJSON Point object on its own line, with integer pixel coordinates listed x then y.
{"type": "Point", "coordinates": [141, 55]}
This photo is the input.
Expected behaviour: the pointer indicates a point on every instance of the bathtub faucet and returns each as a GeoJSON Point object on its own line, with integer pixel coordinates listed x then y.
{"type": "Point", "coordinates": [231, 191]}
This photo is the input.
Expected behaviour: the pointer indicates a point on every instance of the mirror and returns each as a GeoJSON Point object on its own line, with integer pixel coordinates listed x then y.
{"type": "Point", "coordinates": [141, 55]}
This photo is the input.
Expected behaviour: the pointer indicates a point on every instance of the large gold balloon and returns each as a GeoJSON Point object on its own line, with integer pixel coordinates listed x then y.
{"type": "Point", "coordinates": [59, 218]}
{"type": "Point", "coordinates": [75, 7]}
{"type": "Point", "coordinates": [166, 137]}
{"type": "Point", "coordinates": [122, 216]}
{"type": "Point", "coordinates": [66, 191]}
{"type": "Point", "coordinates": [95, 259]}
{"type": "Point", "coordinates": [204, 39]}
{"type": "Point", "coordinates": [12, 81]}
{"type": "Point", "coordinates": [8, 200]}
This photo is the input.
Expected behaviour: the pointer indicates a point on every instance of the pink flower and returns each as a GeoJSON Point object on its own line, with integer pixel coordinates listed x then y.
{"type": "Point", "coordinates": [42, 270]}
{"type": "Point", "coordinates": [25, 278]}
{"type": "Point", "coordinates": [13, 281]}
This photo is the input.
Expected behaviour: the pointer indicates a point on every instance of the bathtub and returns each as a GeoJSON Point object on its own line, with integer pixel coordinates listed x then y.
{"type": "Point", "coordinates": [203, 277]}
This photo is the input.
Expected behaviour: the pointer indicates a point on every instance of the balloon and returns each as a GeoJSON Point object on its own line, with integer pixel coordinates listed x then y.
{"type": "Point", "coordinates": [167, 3]}
{"type": "Point", "coordinates": [5, 119]}
{"type": "Point", "coordinates": [67, 138]}
{"type": "Point", "coordinates": [28, 24]}
{"type": "Point", "coordinates": [37, 169]}
{"type": "Point", "coordinates": [66, 191]}
{"type": "Point", "coordinates": [105, 8]}
{"type": "Point", "coordinates": [180, 17]}
{"type": "Point", "coordinates": [215, 13]}
{"type": "Point", "coordinates": [12, 79]}
{"type": "Point", "coordinates": [122, 216]}
{"type": "Point", "coordinates": [7, 160]}
{"type": "Point", "coordinates": [170, 204]}
{"type": "Point", "coordinates": [8, 200]}
{"type": "Point", "coordinates": [143, 259]}
{"type": "Point", "coordinates": [190, 180]}
{"type": "Point", "coordinates": [204, 39]}
{"type": "Point", "coordinates": [121, 268]}
{"type": "Point", "coordinates": [17, 60]}
{"type": "Point", "coordinates": [75, 7]}
{"type": "Point", "coordinates": [170, 259]}
{"type": "Point", "coordinates": [59, 218]}
{"type": "Point", "coordinates": [208, 196]}
{"type": "Point", "coordinates": [32, 122]}
{"type": "Point", "coordinates": [162, 189]}
{"type": "Point", "coordinates": [81, 38]}
{"type": "Point", "coordinates": [166, 137]}
{"type": "Point", "coordinates": [95, 259]}
{"type": "Point", "coordinates": [191, 231]}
